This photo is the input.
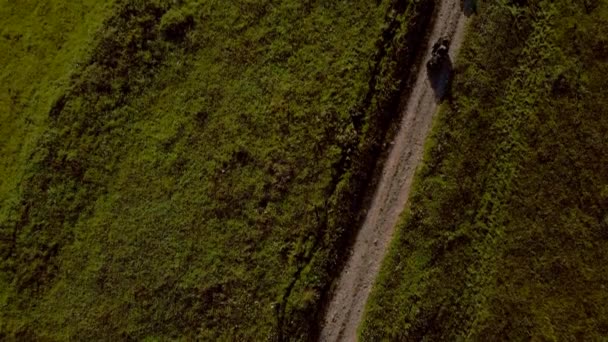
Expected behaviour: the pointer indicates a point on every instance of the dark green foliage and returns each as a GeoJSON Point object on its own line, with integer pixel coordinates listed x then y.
{"type": "Point", "coordinates": [505, 237]}
{"type": "Point", "coordinates": [196, 175]}
{"type": "Point", "coordinates": [175, 24]}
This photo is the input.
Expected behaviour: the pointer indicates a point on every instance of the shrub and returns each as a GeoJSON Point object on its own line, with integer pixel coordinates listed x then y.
{"type": "Point", "coordinates": [175, 24]}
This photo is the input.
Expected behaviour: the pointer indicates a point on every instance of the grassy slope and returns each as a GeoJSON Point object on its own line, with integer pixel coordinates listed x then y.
{"type": "Point", "coordinates": [194, 175]}
{"type": "Point", "coordinates": [41, 45]}
{"type": "Point", "coordinates": [507, 233]}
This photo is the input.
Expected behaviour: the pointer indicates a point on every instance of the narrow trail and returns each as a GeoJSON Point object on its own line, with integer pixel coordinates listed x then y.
{"type": "Point", "coordinates": [345, 309]}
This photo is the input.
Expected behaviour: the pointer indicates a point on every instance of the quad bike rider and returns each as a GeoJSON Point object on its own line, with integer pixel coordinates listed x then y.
{"type": "Point", "coordinates": [438, 54]}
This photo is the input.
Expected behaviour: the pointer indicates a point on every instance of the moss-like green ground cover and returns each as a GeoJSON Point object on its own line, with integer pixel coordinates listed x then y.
{"type": "Point", "coordinates": [187, 169]}
{"type": "Point", "coordinates": [506, 236]}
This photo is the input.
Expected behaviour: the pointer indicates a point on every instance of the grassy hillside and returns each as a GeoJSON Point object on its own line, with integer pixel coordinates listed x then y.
{"type": "Point", "coordinates": [506, 237]}
{"type": "Point", "coordinates": [187, 169]}
{"type": "Point", "coordinates": [41, 44]}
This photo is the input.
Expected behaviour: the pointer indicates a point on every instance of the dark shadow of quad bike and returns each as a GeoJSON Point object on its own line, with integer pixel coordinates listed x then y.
{"type": "Point", "coordinates": [439, 68]}
{"type": "Point", "coordinates": [468, 7]}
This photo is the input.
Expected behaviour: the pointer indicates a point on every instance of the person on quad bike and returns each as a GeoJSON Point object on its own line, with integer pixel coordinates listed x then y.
{"type": "Point", "coordinates": [439, 53]}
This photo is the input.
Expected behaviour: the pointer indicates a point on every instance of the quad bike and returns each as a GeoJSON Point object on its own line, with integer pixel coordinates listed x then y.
{"type": "Point", "coordinates": [438, 54]}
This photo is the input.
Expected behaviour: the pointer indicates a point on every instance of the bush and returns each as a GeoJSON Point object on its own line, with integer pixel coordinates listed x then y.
{"type": "Point", "coordinates": [175, 24]}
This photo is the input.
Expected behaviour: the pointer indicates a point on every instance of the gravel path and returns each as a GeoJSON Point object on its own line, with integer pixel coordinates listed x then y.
{"type": "Point", "coordinates": [345, 309]}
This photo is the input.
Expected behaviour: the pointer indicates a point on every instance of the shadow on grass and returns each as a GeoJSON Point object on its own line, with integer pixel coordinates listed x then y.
{"type": "Point", "coordinates": [440, 78]}
{"type": "Point", "coordinates": [468, 7]}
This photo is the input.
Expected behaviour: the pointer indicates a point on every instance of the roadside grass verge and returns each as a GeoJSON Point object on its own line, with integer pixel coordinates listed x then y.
{"type": "Point", "coordinates": [505, 236]}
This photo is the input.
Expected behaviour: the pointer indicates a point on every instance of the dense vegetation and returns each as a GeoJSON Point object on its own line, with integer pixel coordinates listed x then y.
{"type": "Point", "coordinates": [506, 236]}
{"type": "Point", "coordinates": [187, 169]}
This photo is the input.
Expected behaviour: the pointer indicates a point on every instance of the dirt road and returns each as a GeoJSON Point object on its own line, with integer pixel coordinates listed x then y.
{"type": "Point", "coordinates": [345, 310]}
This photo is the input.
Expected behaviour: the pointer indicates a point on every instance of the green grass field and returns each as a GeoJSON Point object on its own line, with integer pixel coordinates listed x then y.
{"type": "Point", "coordinates": [41, 46]}
{"type": "Point", "coordinates": [506, 236]}
{"type": "Point", "coordinates": [187, 169]}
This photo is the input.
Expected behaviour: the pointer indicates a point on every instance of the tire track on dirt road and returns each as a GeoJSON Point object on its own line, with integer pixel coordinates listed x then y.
{"type": "Point", "coordinates": [345, 309]}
